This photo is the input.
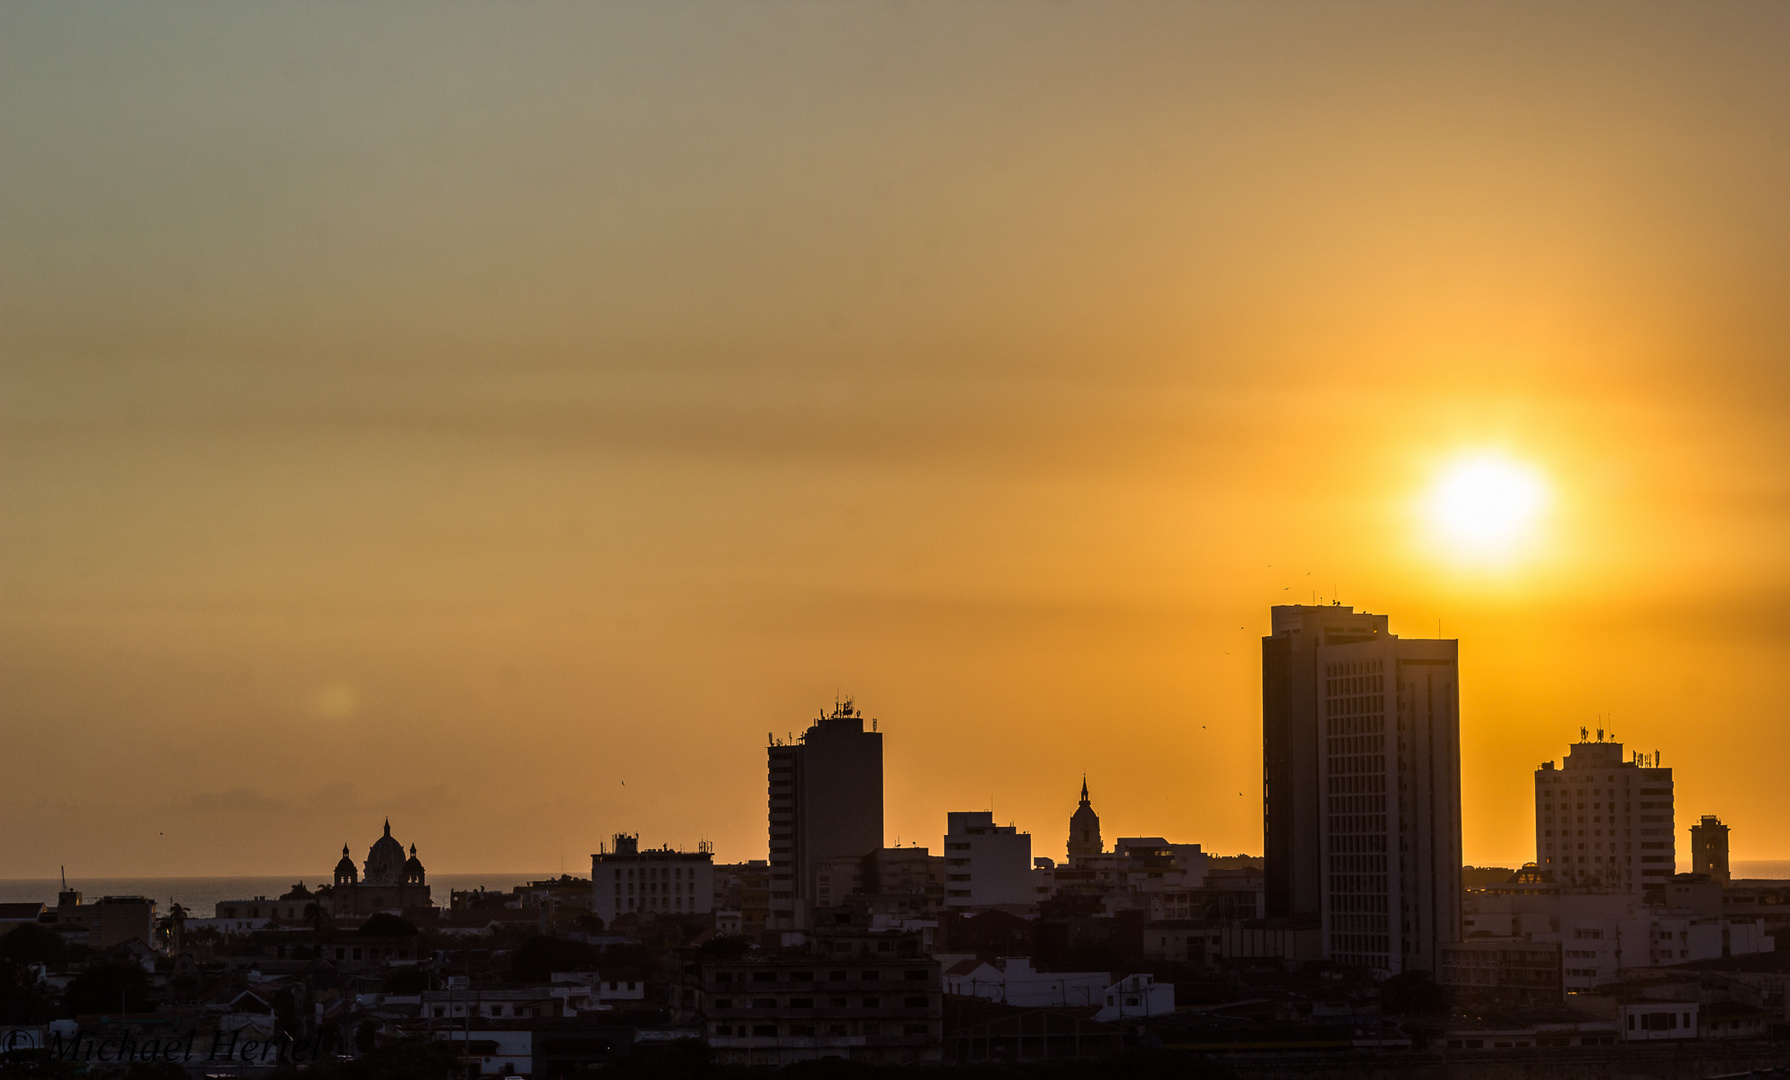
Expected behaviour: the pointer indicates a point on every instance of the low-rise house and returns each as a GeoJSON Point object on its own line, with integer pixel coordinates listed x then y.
{"type": "Point", "coordinates": [490, 1004]}
{"type": "Point", "coordinates": [1013, 981]}
{"type": "Point", "coordinates": [1136, 997]}
{"type": "Point", "coordinates": [1647, 1021]}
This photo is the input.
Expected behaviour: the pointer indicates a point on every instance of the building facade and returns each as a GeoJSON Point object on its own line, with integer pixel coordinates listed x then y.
{"type": "Point", "coordinates": [1605, 822]}
{"type": "Point", "coordinates": [391, 882]}
{"type": "Point", "coordinates": [1084, 828]}
{"type": "Point", "coordinates": [1361, 785]}
{"type": "Point", "coordinates": [661, 881]}
{"type": "Point", "coordinates": [826, 802]}
{"type": "Point", "coordinates": [850, 992]}
{"type": "Point", "coordinates": [108, 921]}
{"type": "Point", "coordinates": [985, 864]}
{"type": "Point", "coordinates": [1709, 848]}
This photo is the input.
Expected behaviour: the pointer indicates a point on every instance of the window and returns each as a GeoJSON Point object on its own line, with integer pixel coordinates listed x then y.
{"type": "Point", "coordinates": [764, 1029]}
{"type": "Point", "coordinates": [913, 975]}
{"type": "Point", "coordinates": [872, 1003]}
{"type": "Point", "coordinates": [916, 1003]}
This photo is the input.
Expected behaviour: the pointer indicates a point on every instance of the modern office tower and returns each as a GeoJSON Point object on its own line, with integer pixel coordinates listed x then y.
{"type": "Point", "coordinates": [826, 802]}
{"type": "Point", "coordinates": [1603, 822]}
{"type": "Point", "coordinates": [1709, 848]}
{"type": "Point", "coordinates": [985, 864]}
{"type": "Point", "coordinates": [1361, 771]}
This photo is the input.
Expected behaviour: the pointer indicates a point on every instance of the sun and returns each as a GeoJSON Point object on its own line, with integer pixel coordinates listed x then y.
{"type": "Point", "coordinates": [1487, 506]}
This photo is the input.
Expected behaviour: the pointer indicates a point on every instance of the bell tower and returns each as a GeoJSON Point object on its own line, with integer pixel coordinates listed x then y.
{"type": "Point", "coordinates": [1084, 828]}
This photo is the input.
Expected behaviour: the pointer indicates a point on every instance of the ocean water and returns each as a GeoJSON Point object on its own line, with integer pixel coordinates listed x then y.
{"type": "Point", "coordinates": [200, 895]}
{"type": "Point", "coordinates": [1756, 868]}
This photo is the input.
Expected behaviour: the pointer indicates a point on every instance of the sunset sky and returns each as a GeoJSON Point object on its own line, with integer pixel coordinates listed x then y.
{"type": "Point", "coordinates": [502, 417]}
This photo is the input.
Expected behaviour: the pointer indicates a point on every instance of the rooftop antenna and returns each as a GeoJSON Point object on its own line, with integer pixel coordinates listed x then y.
{"type": "Point", "coordinates": [64, 870]}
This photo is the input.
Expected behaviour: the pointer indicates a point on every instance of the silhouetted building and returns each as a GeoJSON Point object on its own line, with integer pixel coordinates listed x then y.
{"type": "Point", "coordinates": [1084, 828]}
{"type": "Point", "coordinates": [1602, 822]}
{"type": "Point", "coordinates": [910, 879]}
{"type": "Point", "coordinates": [850, 992]}
{"type": "Point", "coordinates": [1709, 848]}
{"type": "Point", "coordinates": [1361, 777]}
{"type": "Point", "coordinates": [392, 882]}
{"type": "Point", "coordinates": [108, 921]}
{"type": "Point", "coordinates": [659, 881]}
{"type": "Point", "coordinates": [986, 864]}
{"type": "Point", "coordinates": [297, 906]}
{"type": "Point", "coordinates": [826, 802]}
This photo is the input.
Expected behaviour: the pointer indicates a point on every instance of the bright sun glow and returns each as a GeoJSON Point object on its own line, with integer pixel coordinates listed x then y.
{"type": "Point", "coordinates": [1487, 506]}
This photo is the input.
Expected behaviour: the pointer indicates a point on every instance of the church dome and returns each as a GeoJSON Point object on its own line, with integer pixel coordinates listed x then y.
{"type": "Point", "coordinates": [413, 868]}
{"type": "Point", "coordinates": [1084, 828]}
{"type": "Point", "coordinates": [345, 869]}
{"type": "Point", "coordinates": [385, 860]}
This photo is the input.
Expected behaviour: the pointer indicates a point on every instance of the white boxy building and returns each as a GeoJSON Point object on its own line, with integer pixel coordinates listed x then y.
{"type": "Point", "coordinates": [986, 864]}
{"type": "Point", "coordinates": [660, 881]}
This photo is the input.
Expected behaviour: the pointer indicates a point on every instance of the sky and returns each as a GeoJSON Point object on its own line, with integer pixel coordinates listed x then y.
{"type": "Point", "coordinates": [503, 419]}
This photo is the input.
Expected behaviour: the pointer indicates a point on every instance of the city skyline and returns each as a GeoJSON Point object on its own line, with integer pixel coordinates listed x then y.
{"type": "Point", "coordinates": [501, 421]}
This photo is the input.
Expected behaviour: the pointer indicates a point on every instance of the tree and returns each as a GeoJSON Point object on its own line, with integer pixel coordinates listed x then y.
{"type": "Point", "coordinates": [410, 979]}
{"type": "Point", "coordinates": [385, 924]}
{"type": "Point", "coordinates": [536, 959]}
{"type": "Point", "coordinates": [724, 948]}
{"type": "Point", "coordinates": [23, 999]}
{"type": "Point", "coordinates": [109, 988]}
{"type": "Point", "coordinates": [1413, 993]}
{"type": "Point", "coordinates": [34, 943]}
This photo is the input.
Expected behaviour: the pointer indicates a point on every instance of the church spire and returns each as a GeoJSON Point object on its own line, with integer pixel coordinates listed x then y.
{"type": "Point", "coordinates": [1084, 827]}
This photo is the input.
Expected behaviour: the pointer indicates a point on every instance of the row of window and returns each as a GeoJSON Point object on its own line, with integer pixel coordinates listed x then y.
{"type": "Point", "coordinates": [912, 1002]}
{"type": "Point", "coordinates": [799, 1031]}
{"type": "Point", "coordinates": [769, 975]}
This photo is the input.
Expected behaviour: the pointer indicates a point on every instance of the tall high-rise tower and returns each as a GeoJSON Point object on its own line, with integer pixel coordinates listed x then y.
{"type": "Point", "coordinates": [1603, 821]}
{"type": "Point", "coordinates": [1361, 776]}
{"type": "Point", "coordinates": [1084, 828]}
{"type": "Point", "coordinates": [826, 801]}
{"type": "Point", "coordinates": [1709, 848]}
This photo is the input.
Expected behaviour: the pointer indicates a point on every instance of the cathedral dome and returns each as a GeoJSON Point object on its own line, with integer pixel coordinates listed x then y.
{"type": "Point", "coordinates": [385, 860]}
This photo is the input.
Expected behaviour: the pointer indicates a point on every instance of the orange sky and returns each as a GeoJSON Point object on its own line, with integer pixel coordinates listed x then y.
{"type": "Point", "coordinates": [502, 418]}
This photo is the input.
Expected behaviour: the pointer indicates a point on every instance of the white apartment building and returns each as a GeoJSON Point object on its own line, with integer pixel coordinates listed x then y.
{"type": "Point", "coordinates": [1603, 822]}
{"type": "Point", "coordinates": [659, 882]}
{"type": "Point", "coordinates": [986, 864]}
